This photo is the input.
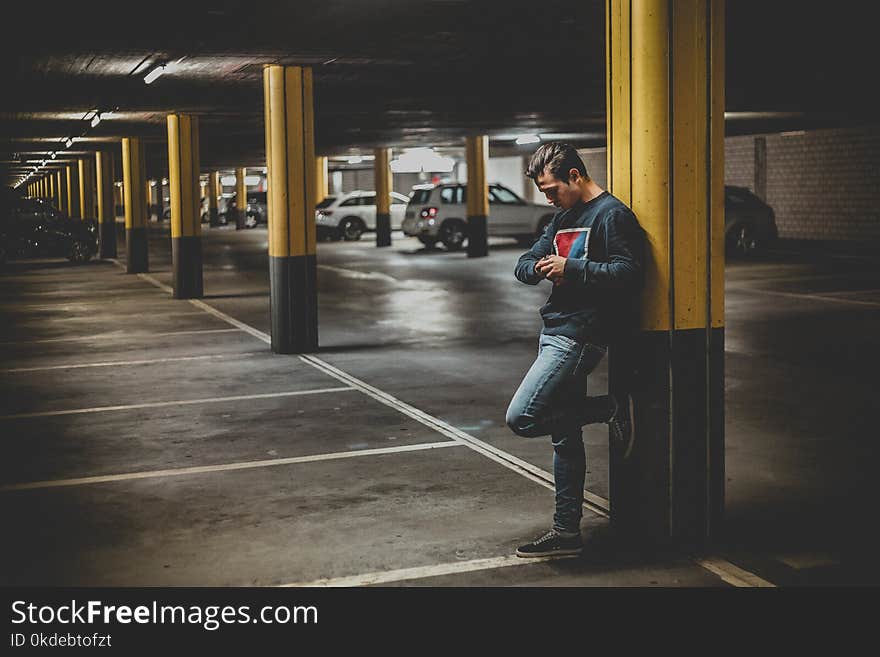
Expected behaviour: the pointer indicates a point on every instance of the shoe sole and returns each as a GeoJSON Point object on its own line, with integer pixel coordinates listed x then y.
{"type": "Point", "coordinates": [554, 553]}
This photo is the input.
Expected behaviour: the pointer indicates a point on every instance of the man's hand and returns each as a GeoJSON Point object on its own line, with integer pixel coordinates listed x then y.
{"type": "Point", "coordinates": [551, 267]}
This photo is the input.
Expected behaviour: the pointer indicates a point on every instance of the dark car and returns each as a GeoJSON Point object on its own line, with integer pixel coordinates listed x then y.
{"type": "Point", "coordinates": [749, 223]}
{"type": "Point", "coordinates": [34, 228]}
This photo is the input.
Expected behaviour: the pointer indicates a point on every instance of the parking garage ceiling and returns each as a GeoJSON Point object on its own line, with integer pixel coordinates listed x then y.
{"type": "Point", "coordinates": [388, 72]}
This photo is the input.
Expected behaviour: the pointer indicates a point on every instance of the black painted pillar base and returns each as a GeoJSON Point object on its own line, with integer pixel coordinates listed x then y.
{"type": "Point", "coordinates": [240, 218]}
{"type": "Point", "coordinates": [293, 304]}
{"type": "Point", "coordinates": [383, 229]}
{"type": "Point", "coordinates": [137, 250]}
{"type": "Point", "coordinates": [669, 492]}
{"type": "Point", "coordinates": [107, 239]}
{"type": "Point", "coordinates": [186, 256]}
{"type": "Point", "coordinates": [213, 217]}
{"type": "Point", "coordinates": [478, 240]}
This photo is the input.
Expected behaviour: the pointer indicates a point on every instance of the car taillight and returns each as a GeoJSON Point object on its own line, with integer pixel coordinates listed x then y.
{"type": "Point", "coordinates": [428, 213]}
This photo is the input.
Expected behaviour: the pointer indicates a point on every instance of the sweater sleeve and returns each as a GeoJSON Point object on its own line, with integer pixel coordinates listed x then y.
{"type": "Point", "coordinates": [624, 244]}
{"type": "Point", "coordinates": [525, 266]}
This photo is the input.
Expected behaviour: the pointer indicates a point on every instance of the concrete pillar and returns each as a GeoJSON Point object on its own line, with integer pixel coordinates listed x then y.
{"type": "Point", "coordinates": [290, 152]}
{"type": "Point", "coordinates": [133, 185]}
{"type": "Point", "coordinates": [86, 189]}
{"type": "Point", "coordinates": [118, 198]}
{"type": "Point", "coordinates": [665, 109]}
{"type": "Point", "coordinates": [322, 178]}
{"type": "Point", "coordinates": [186, 229]}
{"type": "Point", "coordinates": [240, 198]}
{"type": "Point", "coordinates": [477, 195]}
{"type": "Point", "coordinates": [59, 191]}
{"type": "Point", "coordinates": [382, 178]}
{"type": "Point", "coordinates": [160, 200]}
{"type": "Point", "coordinates": [70, 188]}
{"type": "Point", "coordinates": [50, 180]}
{"type": "Point", "coordinates": [214, 191]}
{"type": "Point", "coordinates": [761, 168]}
{"type": "Point", "coordinates": [148, 199]}
{"type": "Point", "coordinates": [106, 204]}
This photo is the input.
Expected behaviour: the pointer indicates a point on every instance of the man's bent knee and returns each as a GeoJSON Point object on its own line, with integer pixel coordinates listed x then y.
{"type": "Point", "coordinates": [523, 425]}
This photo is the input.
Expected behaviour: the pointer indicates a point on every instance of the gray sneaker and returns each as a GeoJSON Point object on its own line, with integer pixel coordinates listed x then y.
{"type": "Point", "coordinates": [551, 544]}
{"type": "Point", "coordinates": [622, 425]}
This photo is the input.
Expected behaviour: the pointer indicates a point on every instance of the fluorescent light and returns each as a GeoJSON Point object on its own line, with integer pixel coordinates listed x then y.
{"type": "Point", "coordinates": [96, 119]}
{"type": "Point", "coordinates": [53, 155]}
{"type": "Point", "coordinates": [155, 73]}
{"type": "Point", "coordinates": [68, 142]}
{"type": "Point", "coordinates": [355, 159]}
{"type": "Point", "coordinates": [252, 180]}
{"type": "Point", "coordinates": [528, 139]}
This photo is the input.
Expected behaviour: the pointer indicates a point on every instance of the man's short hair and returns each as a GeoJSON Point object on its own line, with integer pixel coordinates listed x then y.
{"type": "Point", "coordinates": [557, 159]}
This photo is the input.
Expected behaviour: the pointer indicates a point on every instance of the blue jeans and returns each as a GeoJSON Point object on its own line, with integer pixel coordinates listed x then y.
{"type": "Point", "coordinates": [552, 399]}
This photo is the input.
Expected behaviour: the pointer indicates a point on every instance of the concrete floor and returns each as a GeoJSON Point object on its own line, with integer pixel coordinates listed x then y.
{"type": "Point", "coordinates": [218, 491]}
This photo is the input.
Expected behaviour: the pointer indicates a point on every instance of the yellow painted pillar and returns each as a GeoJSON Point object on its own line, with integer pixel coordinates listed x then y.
{"type": "Point", "coordinates": [136, 230]}
{"type": "Point", "coordinates": [183, 184]}
{"type": "Point", "coordinates": [148, 199]}
{"type": "Point", "coordinates": [73, 191]}
{"type": "Point", "coordinates": [382, 178]}
{"type": "Point", "coordinates": [290, 153]}
{"type": "Point", "coordinates": [477, 198]}
{"type": "Point", "coordinates": [214, 191]}
{"type": "Point", "coordinates": [322, 178]}
{"type": "Point", "coordinates": [106, 204]}
{"type": "Point", "coordinates": [86, 190]}
{"type": "Point", "coordinates": [240, 198]}
{"type": "Point", "coordinates": [665, 109]}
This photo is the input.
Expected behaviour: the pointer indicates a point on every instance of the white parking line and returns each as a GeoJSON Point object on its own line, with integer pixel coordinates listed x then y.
{"type": "Point", "coordinates": [809, 297]}
{"type": "Point", "coordinates": [727, 571]}
{"type": "Point", "coordinates": [733, 574]}
{"type": "Point", "coordinates": [420, 572]}
{"type": "Point", "coordinates": [111, 363]}
{"type": "Point", "coordinates": [184, 402]}
{"type": "Point", "coordinates": [118, 335]}
{"type": "Point", "coordinates": [176, 472]}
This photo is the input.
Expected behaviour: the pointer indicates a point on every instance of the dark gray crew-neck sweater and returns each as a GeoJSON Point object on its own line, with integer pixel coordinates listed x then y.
{"type": "Point", "coordinates": [598, 296]}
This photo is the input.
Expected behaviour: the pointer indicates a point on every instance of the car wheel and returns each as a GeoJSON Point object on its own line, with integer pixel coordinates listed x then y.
{"type": "Point", "coordinates": [80, 252]}
{"type": "Point", "coordinates": [453, 235]}
{"type": "Point", "coordinates": [351, 229]}
{"type": "Point", "coordinates": [429, 242]}
{"type": "Point", "coordinates": [742, 241]}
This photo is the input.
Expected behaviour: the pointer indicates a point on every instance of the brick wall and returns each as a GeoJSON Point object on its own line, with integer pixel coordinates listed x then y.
{"type": "Point", "coordinates": [822, 184]}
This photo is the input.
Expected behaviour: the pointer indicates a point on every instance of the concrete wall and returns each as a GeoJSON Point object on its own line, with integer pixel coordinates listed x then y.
{"type": "Point", "coordinates": [822, 184]}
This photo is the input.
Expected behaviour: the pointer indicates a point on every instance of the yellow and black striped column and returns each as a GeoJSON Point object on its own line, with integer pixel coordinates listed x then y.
{"type": "Point", "coordinates": [290, 156]}
{"type": "Point", "coordinates": [665, 109]}
{"type": "Point", "coordinates": [477, 148]}
{"type": "Point", "coordinates": [86, 189]}
{"type": "Point", "coordinates": [59, 189]}
{"type": "Point", "coordinates": [214, 191]}
{"type": "Point", "coordinates": [106, 203]}
{"type": "Point", "coordinates": [133, 185]}
{"type": "Point", "coordinates": [50, 180]}
{"type": "Point", "coordinates": [240, 198]}
{"type": "Point", "coordinates": [183, 181]}
{"type": "Point", "coordinates": [382, 177]}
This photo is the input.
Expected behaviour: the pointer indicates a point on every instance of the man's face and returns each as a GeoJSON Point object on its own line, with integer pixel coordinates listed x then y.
{"type": "Point", "coordinates": [561, 193]}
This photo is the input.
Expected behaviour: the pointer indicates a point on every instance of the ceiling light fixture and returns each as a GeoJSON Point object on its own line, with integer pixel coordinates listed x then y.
{"type": "Point", "coordinates": [96, 119]}
{"type": "Point", "coordinates": [68, 142]}
{"type": "Point", "coordinates": [155, 73]}
{"type": "Point", "coordinates": [53, 155]}
{"type": "Point", "coordinates": [527, 139]}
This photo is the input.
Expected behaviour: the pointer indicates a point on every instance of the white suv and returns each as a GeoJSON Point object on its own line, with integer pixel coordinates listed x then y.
{"type": "Point", "coordinates": [438, 213]}
{"type": "Point", "coordinates": [349, 215]}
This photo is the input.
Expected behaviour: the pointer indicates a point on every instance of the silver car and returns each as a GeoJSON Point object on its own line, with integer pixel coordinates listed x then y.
{"type": "Point", "coordinates": [438, 213]}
